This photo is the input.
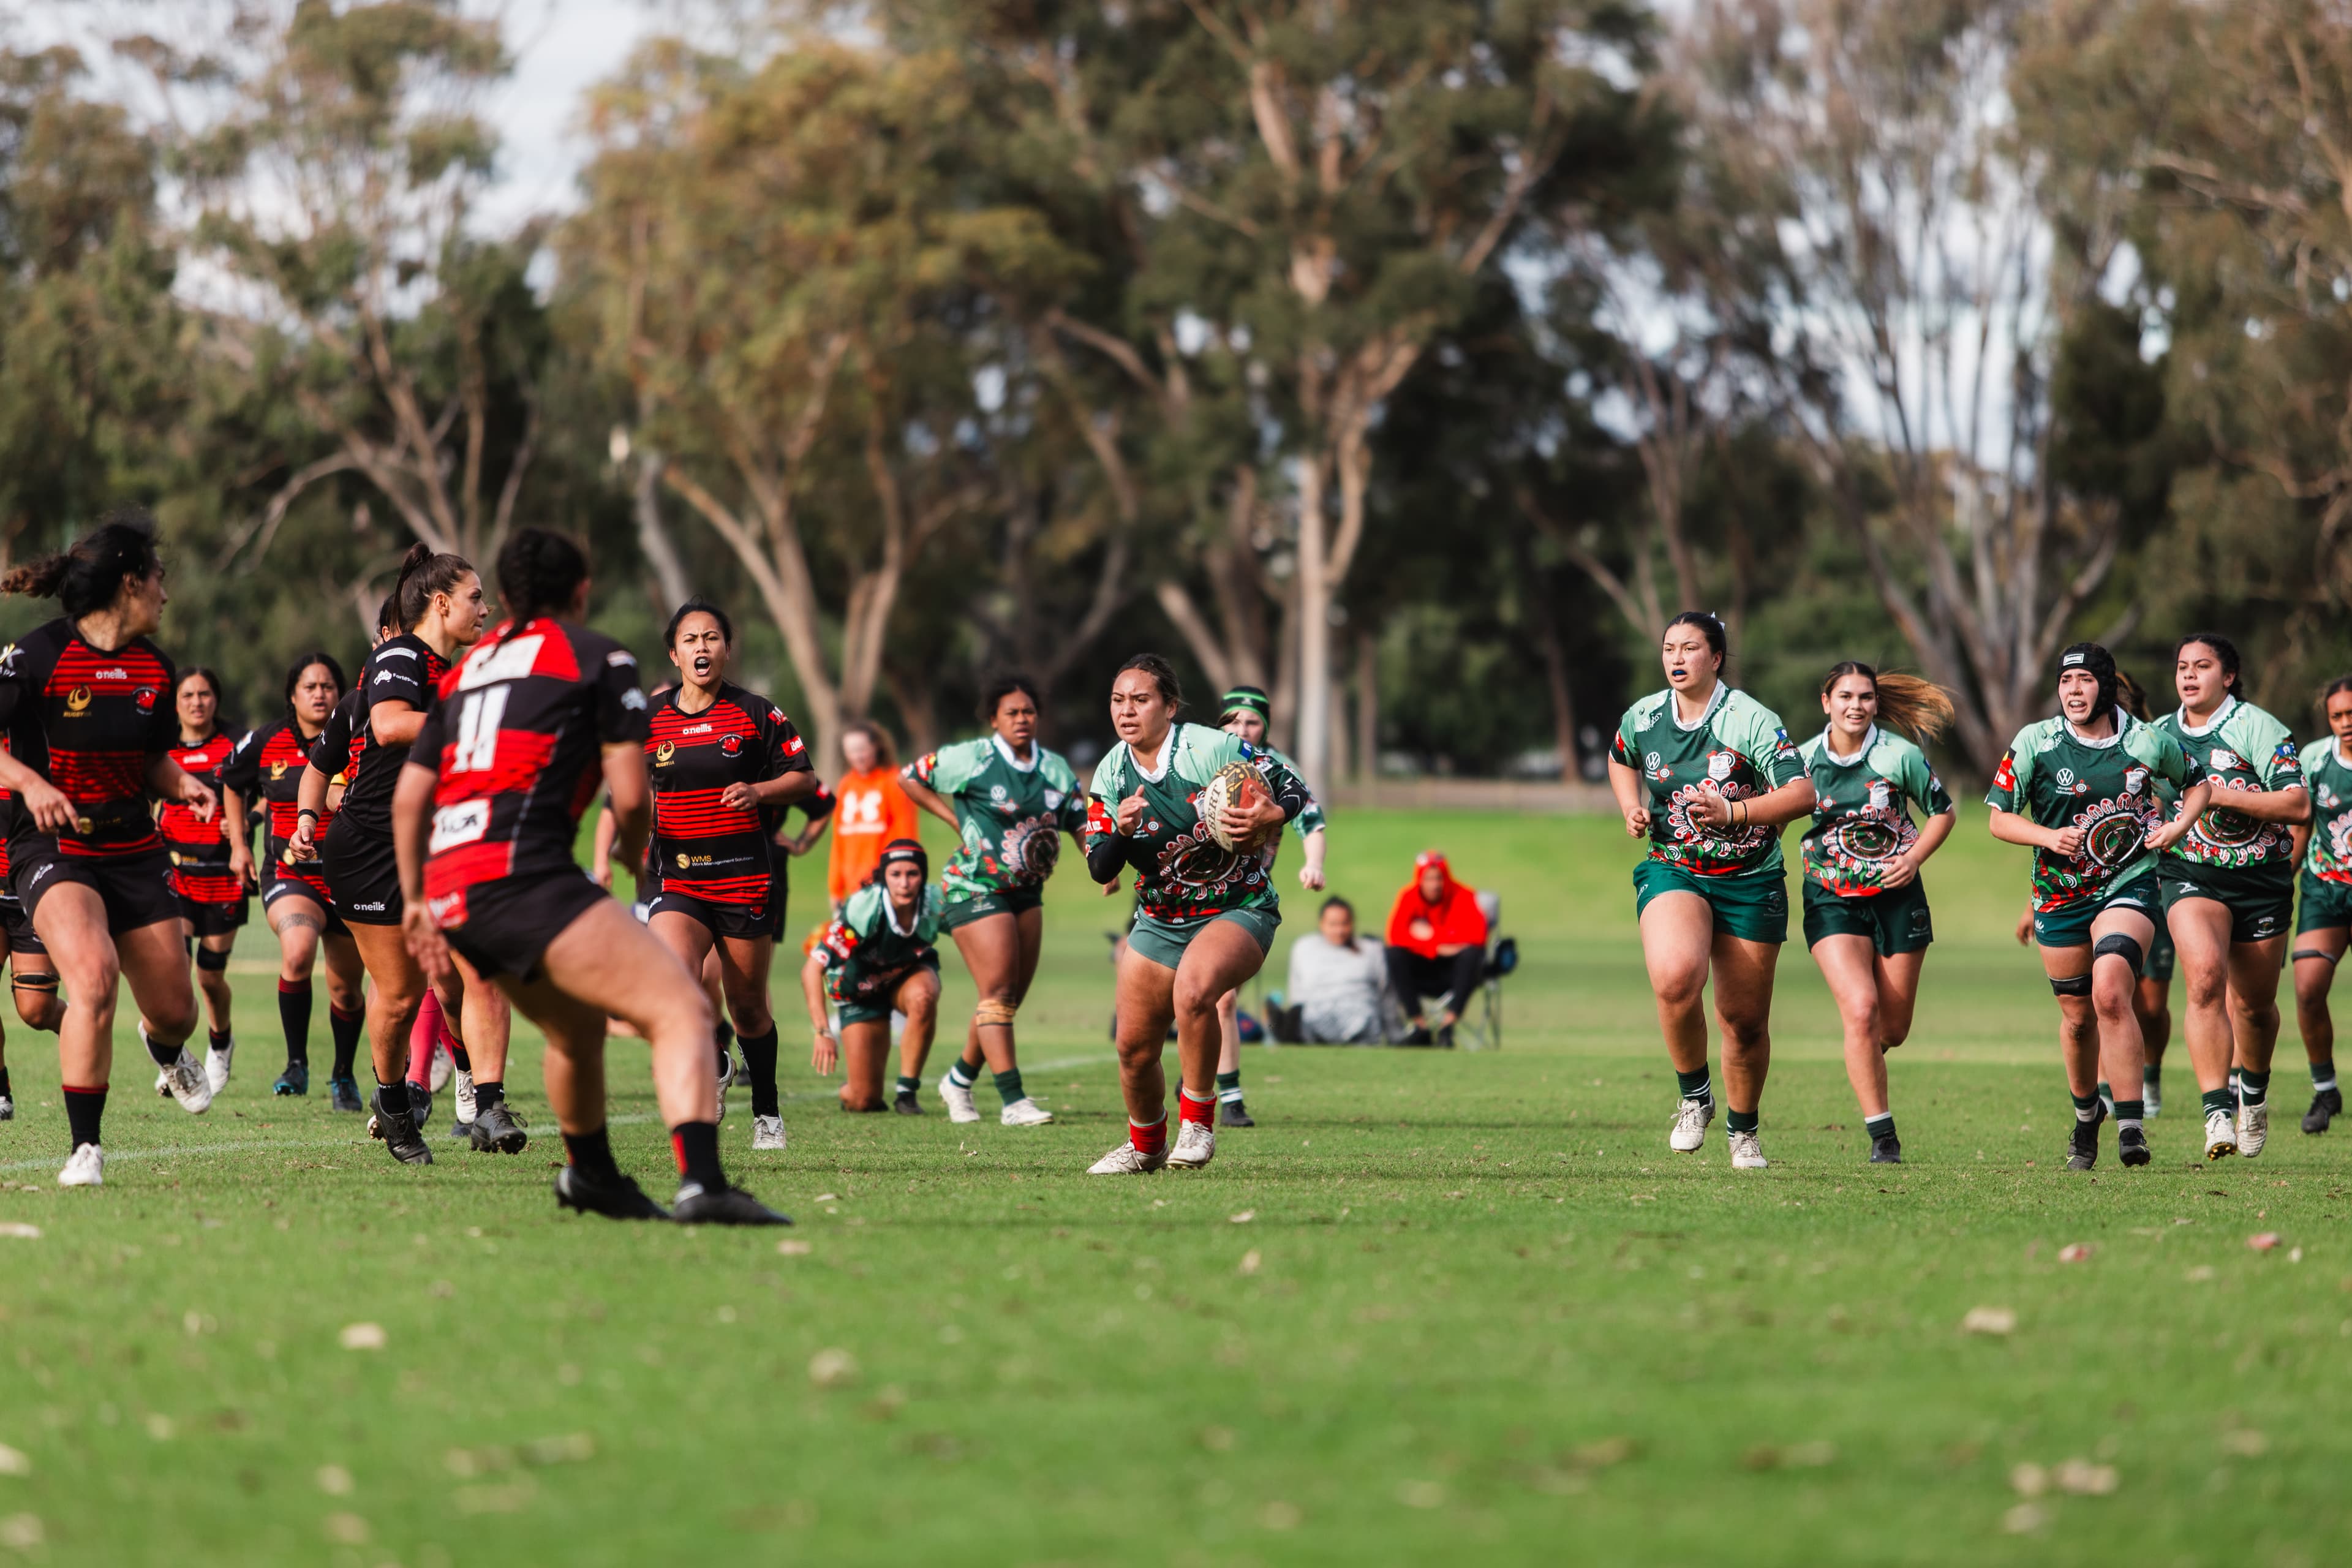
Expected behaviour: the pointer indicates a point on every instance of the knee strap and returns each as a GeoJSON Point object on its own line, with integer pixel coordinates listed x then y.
{"type": "Point", "coordinates": [212, 959]}
{"type": "Point", "coordinates": [36, 982]}
{"type": "Point", "coordinates": [2072, 985]}
{"type": "Point", "coordinates": [992, 1012]}
{"type": "Point", "coordinates": [2300, 953]}
{"type": "Point", "coordinates": [2117, 945]}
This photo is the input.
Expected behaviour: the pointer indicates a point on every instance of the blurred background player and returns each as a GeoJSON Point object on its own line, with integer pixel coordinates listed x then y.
{"type": "Point", "coordinates": [2324, 923]}
{"type": "Point", "coordinates": [211, 893]}
{"type": "Point", "coordinates": [85, 701]}
{"type": "Point", "coordinates": [721, 759]}
{"type": "Point", "coordinates": [32, 978]}
{"type": "Point", "coordinates": [266, 769]}
{"type": "Point", "coordinates": [1243, 712]}
{"type": "Point", "coordinates": [879, 955]}
{"type": "Point", "coordinates": [486, 814]}
{"type": "Point", "coordinates": [1010, 801]}
{"type": "Point", "coordinates": [873, 811]}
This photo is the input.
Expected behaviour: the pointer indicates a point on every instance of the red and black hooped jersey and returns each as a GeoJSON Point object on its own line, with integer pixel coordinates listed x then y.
{"type": "Point", "coordinates": [518, 737]}
{"type": "Point", "coordinates": [91, 722]}
{"type": "Point", "coordinates": [719, 854]}
{"type": "Point", "coordinates": [404, 669]}
{"type": "Point", "coordinates": [266, 767]}
{"type": "Point", "coordinates": [200, 850]}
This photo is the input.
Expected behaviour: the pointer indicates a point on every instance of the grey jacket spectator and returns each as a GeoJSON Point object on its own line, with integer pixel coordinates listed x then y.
{"type": "Point", "coordinates": [1338, 982]}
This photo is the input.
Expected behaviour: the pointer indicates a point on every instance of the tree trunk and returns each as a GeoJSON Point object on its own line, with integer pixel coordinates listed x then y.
{"type": "Point", "coordinates": [654, 541]}
{"type": "Point", "coordinates": [1546, 626]}
{"type": "Point", "coordinates": [1368, 707]}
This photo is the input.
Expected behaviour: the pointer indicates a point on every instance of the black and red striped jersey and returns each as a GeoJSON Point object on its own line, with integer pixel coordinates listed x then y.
{"type": "Point", "coordinates": [517, 738]}
{"type": "Point", "coordinates": [266, 767]}
{"type": "Point", "coordinates": [706, 850]}
{"type": "Point", "coordinates": [192, 841]}
{"type": "Point", "coordinates": [405, 670]}
{"type": "Point", "coordinates": [90, 721]}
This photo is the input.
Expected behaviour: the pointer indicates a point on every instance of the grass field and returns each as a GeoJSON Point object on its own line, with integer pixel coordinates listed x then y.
{"type": "Point", "coordinates": [1436, 1307]}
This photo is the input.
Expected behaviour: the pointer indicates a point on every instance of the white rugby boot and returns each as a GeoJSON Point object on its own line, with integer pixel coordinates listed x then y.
{"type": "Point", "coordinates": [959, 1101]}
{"type": "Point", "coordinates": [216, 1065]}
{"type": "Point", "coordinates": [86, 1169]}
{"type": "Point", "coordinates": [2220, 1135]}
{"type": "Point", "coordinates": [768, 1132]}
{"type": "Point", "coordinates": [1196, 1146]}
{"type": "Point", "coordinates": [184, 1081]}
{"type": "Point", "coordinates": [1690, 1125]}
{"type": "Point", "coordinates": [1127, 1160]}
{"type": "Point", "coordinates": [1747, 1153]}
{"type": "Point", "coordinates": [1024, 1112]}
{"type": "Point", "coordinates": [2254, 1128]}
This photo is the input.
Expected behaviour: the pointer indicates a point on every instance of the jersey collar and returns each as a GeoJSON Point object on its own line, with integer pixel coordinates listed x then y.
{"type": "Point", "coordinates": [1167, 756]}
{"type": "Point", "coordinates": [2210, 725]}
{"type": "Point", "coordinates": [891, 918]}
{"type": "Point", "coordinates": [1674, 711]}
{"type": "Point", "coordinates": [1829, 750]}
{"type": "Point", "coordinates": [1015, 763]}
{"type": "Point", "coordinates": [2123, 721]}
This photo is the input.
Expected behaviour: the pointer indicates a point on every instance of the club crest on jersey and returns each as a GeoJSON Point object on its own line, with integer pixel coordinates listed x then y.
{"type": "Point", "coordinates": [2134, 781]}
{"type": "Point", "coordinates": [145, 698]}
{"type": "Point", "coordinates": [1881, 795]}
{"type": "Point", "coordinates": [78, 700]}
{"type": "Point", "coordinates": [731, 745]}
{"type": "Point", "coordinates": [1719, 765]}
{"type": "Point", "coordinates": [664, 752]}
{"type": "Point", "coordinates": [2223, 760]}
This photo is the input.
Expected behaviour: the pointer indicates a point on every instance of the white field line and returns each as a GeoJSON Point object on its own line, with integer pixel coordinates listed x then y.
{"type": "Point", "coordinates": [178, 1151]}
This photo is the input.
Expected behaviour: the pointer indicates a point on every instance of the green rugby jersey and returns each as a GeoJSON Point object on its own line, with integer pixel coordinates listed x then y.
{"type": "Point", "coordinates": [1738, 746]}
{"type": "Point", "coordinates": [866, 951]}
{"type": "Point", "coordinates": [2054, 778]}
{"type": "Point", "coordinates": [2329, 777]}
{"type": "Point", "coordinates": [1861, 817]}
{"type": "Point", "coordinates": [1182, 875]}
{"type": "Point", "coordinates": [1308, 821]}
{"type": "Point", "coordinates": [2240, 748]}
{"type": "Point", "coordinates": [1012, 814]}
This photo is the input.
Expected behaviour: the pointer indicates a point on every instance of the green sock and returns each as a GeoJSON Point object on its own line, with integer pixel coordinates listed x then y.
{"type": "Point", "coordinates": [1695, 1085]}
{"type": "Point", "coordinates": [2131, 1113]}
{"type": "Point", "coordinates": [2151, 1080]}
{"type": "Point", "coordinates": [2322, 1074]}
{"type": "Point", "coordinates": [1229, 1087]}
{"type": "Point", "coordinates": [2106, 1092]}
{"type": "Point", "coordinates": [2253, 1087]}
{"type": "Point", "coordinates": [1742, 1120]}
{"type": "Point", "coordinates": [908, 1084]}
{"type": "Point", "coordinates": [959, 1075]}
{"type": "Point", "coordinates": [1879, 1126]}
{"type": "Point", "coordinates": [2086, 1107]}
{"type": "Point", "coordinates": [1008, 1085]}
{"type": "Point", "coordinates": [2219, 1099]}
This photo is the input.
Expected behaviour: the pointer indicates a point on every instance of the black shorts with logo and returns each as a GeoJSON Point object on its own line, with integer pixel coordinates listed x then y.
{"type": "Point", "coordinates": [212, 918]}
{"type": "Point", "coordinates": [508, 923]}
{"type": "Point", "coordinates": [362, 873]}
{"type": "Point", "coordinates": [136, 890]}
{"type": "Point", "coordinates": [288, 882]}
{"type": "Point", "coordinates": [738, 921]}
{"type": "Point", "coordinates": [19, 926]}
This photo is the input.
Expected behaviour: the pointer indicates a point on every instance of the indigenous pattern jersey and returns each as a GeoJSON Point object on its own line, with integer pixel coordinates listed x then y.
{"type": "Point", "coordinates": [865, 951]}
{"type": "Point", "coordinates": [517, 736]}
{"type": "Point", "coordinates": [1737, 748]}
{"type": "Point", "coordinates": [2240, 748]}
{"type": "Point", "coordinates": [1308, 821]}
{"type": "Point", "coordinates": [1861, 817]}
{"type": "Point", "coordinates": [720, 854]}
{"type": "Point", "coordinates": [402, 669]}
{"type": "Point", "coordinates": [1183, 874]}
{"type": "Point", "coordinates": [267, 768]}
{"type": "Point", "coordinates": [200, 850]}
{"type": "Point", "coordinates": [2109, 789]}
{"type": "Point", "coordinates": [2330, 778]}
{"type": "Point", "coordinates": [1012, 816]}
{"type": "Point", "coordinates": [90, 723]}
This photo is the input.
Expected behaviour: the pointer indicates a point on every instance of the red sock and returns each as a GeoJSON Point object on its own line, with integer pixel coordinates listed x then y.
{"type": "Point", "coordinates": [421, 1038]}
{"type": "Point", "coordinates": [1203, 1111]}
{"type": "Point", "coordinates": [1149, 1140]}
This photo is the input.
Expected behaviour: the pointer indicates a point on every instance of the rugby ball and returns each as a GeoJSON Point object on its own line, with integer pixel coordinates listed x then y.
{"type": "Point", "coordinates": [1239, 785]}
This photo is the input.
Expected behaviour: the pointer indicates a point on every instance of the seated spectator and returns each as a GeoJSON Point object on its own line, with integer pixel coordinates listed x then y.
{"type": "Point", "coordinates": [1436, 947]}
{"type": "Point", "coordinates": [1336, 982]}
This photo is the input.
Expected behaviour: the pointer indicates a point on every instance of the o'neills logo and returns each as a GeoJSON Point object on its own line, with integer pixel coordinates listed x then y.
{"type": "Point", "coordinates": [77, 700]}
{"type": "Point", "coordinates": [374, 909]}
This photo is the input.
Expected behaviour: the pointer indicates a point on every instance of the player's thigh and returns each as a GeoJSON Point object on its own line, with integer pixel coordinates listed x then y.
{"type": "Point", "coordinates": [2255, 969]}
{"type": "Point", "coordinates": [71, 920]}
{"type": "Point", "coordinates": [2316, 977]}
{"type": "Point", "coordinates": [918, 995]}
{"type": "Point", "coordinates": [1222, 957]}
{"type": "Point", "coordinates": [1849, 965]}
{"type": "Point", "coordinates": [572, 1027]}
{"type": "Point", "coordinates": [155, 966]}
{"type": "Point", "coordinates": [1677, 942]}
{"type": "Point", "coordinates": [743, 965]}
{"type": "Point", "coordinates": [605, 960]}
{"type": "Point", "coordinates": [1147, 1004]}
{"type": "Point", "coordinates": [991, 947]}
{"type": "Point", "coordinates": [684, 935]}
{"type": "Point", "coordinates": [1898, 978]}
{"type": "Point", "coordinates": [2199, 928]}
{"type": "Point", "coordinates": [384, 954]}
{"type": "Point", "coordinates": [1744, 969]}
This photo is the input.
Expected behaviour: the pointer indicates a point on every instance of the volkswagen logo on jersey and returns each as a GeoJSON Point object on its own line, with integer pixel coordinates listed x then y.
{"type": "Point", "coordinates": [2065, 778]}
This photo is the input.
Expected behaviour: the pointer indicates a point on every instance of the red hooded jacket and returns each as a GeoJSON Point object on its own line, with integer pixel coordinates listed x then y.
{"type": "Point", "coordinates": [1455, 920]}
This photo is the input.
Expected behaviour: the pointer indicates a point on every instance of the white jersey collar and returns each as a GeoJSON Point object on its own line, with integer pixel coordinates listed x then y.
{"type": "Point", "coordinates": [1167, 757]}
{"type": "Point", "coordinates": [2080, 739]}
{"type": "Point", "coordinates": [2208, 727]}
{"type": "Point", "coordinates": [1674, 708]}
{"type": "Point", "coordinates": [1036, 753]}
{"type": "Point", "coordinates": [1828, 747]}
{"type": "Point", "coordinates": [890, 917]}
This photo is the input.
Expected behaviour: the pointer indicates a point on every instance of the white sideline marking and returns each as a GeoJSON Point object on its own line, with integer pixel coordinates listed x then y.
{"type": "Point", "coordinates": [176, 1150]}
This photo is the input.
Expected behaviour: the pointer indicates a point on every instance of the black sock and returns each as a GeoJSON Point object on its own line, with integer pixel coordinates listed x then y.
{"type": "Point", "coordinates": [346, 1027]}
{"type": "Point", "coordinates": [165, 1055]}
{"type": "Point", "coordinates": [85, 1109]}
{"type": "Point", "coordinates": [393, 1096]}
{"type": "Point", "coordinates": [4, 1083]}
{"type": "Point", "coordinates": [458, 1056]}
{"type": "Point", "coordinates": [220, 1039]}
{"type": "Point", "coordinates": [486, 1095]}
{"type": "Point", "coordinates": [695, 1145]}
{"type": "Point", "coordinates": [294, 1017]}
{"type": "Point", "coordinates": [592, 1153]}
{"type": "Point", "coordinates": [759, 1055]}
